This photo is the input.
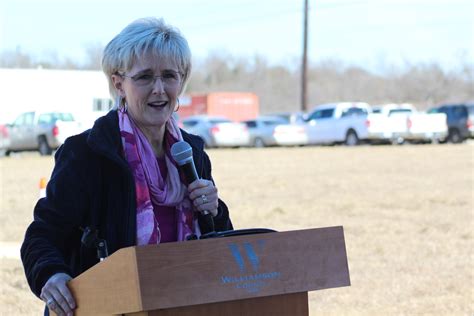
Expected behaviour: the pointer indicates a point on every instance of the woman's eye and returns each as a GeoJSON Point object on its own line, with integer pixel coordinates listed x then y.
{"type": "Point", "coordinates": [145, 77]}
{"type": "Point", "coordinates": [169, 75]}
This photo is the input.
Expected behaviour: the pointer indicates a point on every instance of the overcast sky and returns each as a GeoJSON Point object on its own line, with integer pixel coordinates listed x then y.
{"type": "Point", "coordinates": [371, 33]}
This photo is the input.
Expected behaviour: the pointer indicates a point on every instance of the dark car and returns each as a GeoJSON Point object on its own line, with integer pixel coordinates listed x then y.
{"type": "Point", "coordinates": [460, 119]}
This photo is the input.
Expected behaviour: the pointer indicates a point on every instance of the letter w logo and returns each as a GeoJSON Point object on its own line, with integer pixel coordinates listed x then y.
{"type": "Point", "coordinates": [251, 256]}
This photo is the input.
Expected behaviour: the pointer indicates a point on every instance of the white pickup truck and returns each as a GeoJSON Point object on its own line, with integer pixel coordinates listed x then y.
{"type": "Point", "coordinates": [424, 127]}
{"type": "Point", "coordinates": [402, 122]}
{"type": "Point", "coordinates": [41, 131]}
{"type": "Point", "coordinates": [354, 122]}
{"type": "Point", "coordinates": [346, 122]}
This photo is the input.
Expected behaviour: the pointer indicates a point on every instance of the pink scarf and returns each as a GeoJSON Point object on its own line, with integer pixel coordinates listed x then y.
{"type": "Point", "coordinates": [151, 188]}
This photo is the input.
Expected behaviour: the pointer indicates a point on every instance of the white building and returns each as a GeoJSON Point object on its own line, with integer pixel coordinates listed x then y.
{"type": "Point", "coordinates": [83, 93]}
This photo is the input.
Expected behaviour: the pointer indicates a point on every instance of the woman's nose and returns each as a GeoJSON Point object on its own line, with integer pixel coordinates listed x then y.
{"type": "Point", "coordinates": [158, 86]}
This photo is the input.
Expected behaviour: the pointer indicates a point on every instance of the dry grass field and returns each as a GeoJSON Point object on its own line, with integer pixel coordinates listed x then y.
{"type": "Point", "coordinates": [407, 213]}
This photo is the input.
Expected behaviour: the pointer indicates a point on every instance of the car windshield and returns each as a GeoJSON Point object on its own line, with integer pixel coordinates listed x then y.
{"type": "Point", "coordinates": [321, 114]}
{"type": "Point", "coordinates": [274, 122]}
{"type": "Point", "coordinates": [398, 111]}
{"type": "Point", "coordinates": [353, 112]}
{"type": "Point", "coordinates": [50, 118]}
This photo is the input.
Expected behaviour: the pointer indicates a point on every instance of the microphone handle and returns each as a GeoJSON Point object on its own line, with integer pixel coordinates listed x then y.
{"type": "Point", "coordinates": [190, 172]}
{"type": "Point", "coordinates": [207, 223]}
{"type": "Point", "coordinates": [191, 175]}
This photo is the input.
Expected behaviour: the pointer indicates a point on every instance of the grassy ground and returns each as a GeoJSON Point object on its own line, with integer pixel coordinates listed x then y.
{"type": "Point", "coordinates": [407, 213]}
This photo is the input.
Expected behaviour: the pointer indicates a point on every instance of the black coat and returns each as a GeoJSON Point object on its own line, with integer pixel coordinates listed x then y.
{"type": "Point", "coordinates": [91, 186]}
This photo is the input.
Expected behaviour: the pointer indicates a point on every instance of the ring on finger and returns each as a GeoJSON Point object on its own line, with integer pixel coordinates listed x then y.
{"type": "Point", "coordinates": [51, 303]}
{"type": "Point", "coordinates": [204, 199]}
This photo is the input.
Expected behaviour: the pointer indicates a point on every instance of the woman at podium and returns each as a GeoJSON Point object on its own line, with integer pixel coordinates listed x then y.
{"type": "Point", "coordinates": [117, 184]}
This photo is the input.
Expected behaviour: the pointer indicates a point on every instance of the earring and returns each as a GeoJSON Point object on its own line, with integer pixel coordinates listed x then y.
{"type": "Point", "coordinates": [121, 104]}
{"type": "Point", "coordinates": [177, 101]}
{"type": "Point", "coordinates": [118, 103]}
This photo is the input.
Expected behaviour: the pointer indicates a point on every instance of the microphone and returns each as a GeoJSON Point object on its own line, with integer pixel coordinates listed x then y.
{"type": "Point", "coordinates": [182, 154]}
{"type": "Point", "coordinates": [90, 239]}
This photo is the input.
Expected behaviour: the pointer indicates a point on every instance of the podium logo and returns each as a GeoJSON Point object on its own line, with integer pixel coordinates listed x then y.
{"type": "Point", "coordinates": [248, 263]}
{"type": "Point", "coordinates": [250, 254]}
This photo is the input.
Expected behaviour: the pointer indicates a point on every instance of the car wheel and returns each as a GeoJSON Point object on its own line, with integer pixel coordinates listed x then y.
{"type": "Point", "coordinates": [454, 136]}
{"type": "Point", "coordinates": [351, 139]}
{"type": "Point", "coordinates": [43, 147]}
{"type": "Point", "coordinates": [258, 143]}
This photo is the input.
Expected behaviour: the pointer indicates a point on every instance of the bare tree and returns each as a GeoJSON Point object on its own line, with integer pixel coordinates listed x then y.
{"type": "Point", "coordinates": [15, 59]}
{"type": "Point", "coordinates": [278, 86]}
{"type": "Point", "coordinates": [93, 56]}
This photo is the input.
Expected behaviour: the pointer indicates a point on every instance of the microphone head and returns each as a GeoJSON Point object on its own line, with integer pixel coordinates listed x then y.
{"type": "Point", "coordinates": [182, 153]}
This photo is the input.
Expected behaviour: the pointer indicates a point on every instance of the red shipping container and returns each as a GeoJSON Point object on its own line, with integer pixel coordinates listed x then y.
{"type": "Point", "coordinates": [236, 106]}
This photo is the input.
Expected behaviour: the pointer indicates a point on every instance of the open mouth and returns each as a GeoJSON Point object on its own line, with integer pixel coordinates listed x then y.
{"type": "Point", "coordinates": [158, 104]}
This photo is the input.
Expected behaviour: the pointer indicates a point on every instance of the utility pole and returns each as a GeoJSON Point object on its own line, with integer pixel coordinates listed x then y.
{"type": "Point", "coordinates": [304, 66]}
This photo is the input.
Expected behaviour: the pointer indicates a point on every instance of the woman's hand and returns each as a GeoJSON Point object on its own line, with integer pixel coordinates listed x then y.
{"type": "Point", "coordinates": [203, 193]}
{"type": "Point", "coordinates": [57, 296]}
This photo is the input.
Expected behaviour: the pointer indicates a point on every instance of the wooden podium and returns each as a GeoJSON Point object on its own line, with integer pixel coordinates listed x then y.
{"type": "Point", "coordinates": [262, 274]}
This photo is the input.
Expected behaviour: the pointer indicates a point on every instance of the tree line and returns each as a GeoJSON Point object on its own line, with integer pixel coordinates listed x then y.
{"type": "Point", "coordinates": [279, 86]}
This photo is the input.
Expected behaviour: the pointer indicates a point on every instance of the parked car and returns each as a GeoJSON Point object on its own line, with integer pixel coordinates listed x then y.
{"type": "Point", "coordinates": [41, 131]}
{"type": "Point", "coordinates": [262, 130]}
{"type": "Point", "coordinates": [217, 131]}
{"type": "Point", "coordinates": [388, 122]}
{"type": "Point", "coordinates": [291, 135]}
{"type": "Point", "coordinates": [426, 128]}
{"type": "Point", "coordinates": [403, 122]}
{"type": "Point", "coordinates": [460, 120]}
{"type": "Point", "coordinates": [292, 117]}
{"type": "Point", "coordinates": [4, 139]}
{"type": "Point", "coordinates": [344, 122]}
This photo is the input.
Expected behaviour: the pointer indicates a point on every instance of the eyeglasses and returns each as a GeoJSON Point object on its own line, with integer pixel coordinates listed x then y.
{"type": "Point", "coordinates": [169, 78]}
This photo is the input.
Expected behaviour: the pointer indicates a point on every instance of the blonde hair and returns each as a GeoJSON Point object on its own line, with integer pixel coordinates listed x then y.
{"type": "Point", "coordinates": [143, 36]}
